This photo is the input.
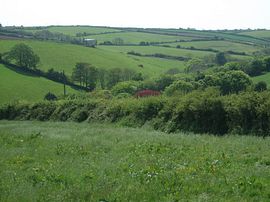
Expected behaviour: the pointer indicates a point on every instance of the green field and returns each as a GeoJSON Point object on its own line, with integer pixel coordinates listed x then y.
{"type": "Point", "coordinates": [62, 56]}
{"type": "Point", "coordinates": [264, 77]}
{"type": "Point", "coordinates": [260, 34]}
{"type": "Point", "coordinates": [137, 37]}
{"type": "Point", "coordinates": [219, 45]}
{"type": "Point", "coordinates": [157, 49]}
{"type": "Point", "coordinates": [73, 30]}
{"type": "Point", "coordinates": [220, 34]}
{"type": "Point", "coordinates": [15, 86]}
{"type": "Point", "coordinates": [98, 162]}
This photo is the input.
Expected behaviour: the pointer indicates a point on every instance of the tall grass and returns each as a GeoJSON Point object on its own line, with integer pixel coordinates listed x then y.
{"type": "Point", "coordinates": [96, 162]}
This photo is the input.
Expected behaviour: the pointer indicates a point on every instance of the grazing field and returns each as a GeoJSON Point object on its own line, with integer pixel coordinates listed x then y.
{"type": "Point", "coordinates": [15, 86]}
{"type": "Point", "coordinates": [137, 37]}
{"type": "Point", "coordinates": [260, 34]}
{"type": "Point", "coordinates": [62, 56]}
{"type": "Point", "coordinates": [264, 77]}
{"type": "Point", "coordinates": [219, 45]}
{"type": "Point", "coordinates": [158, 49]}
{"type": "Point", "coordinates": [110, 163]}
{"type": "Point", "coordinates": [73, 30]}
{"type": "Point", "coordinates": [211, 34]}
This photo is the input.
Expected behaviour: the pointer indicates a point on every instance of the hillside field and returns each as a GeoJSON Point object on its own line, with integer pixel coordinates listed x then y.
{"type": "Point", "coordinates": [15, 86]}
{"type": "Point", "coordinates": [110, 163]}
{"type": "Point", "coordinates": [62, 56]}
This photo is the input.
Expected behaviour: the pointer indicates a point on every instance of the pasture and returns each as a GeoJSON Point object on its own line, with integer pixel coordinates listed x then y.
{"type": "Point", "coordinates": [111, 163]}
{"type": "Point", "coordinates": [259, 33]}
{"type": "Point", "coordinates": [61, 56]}
{"type": "Point", "coordinates": [16, 86]}
{"type": "Point", "coordinates": [73, 30]}
{"type": "Point", "coordinates": [137, 37]}
{"type": "Point", "coordinates": [219, 45]}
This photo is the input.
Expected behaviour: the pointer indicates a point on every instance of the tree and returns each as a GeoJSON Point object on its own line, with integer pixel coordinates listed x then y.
{"type": "Point", "coordinates": [85, 74]}
{"type": "Point", "coordinates": [50, 96]}
{"type": "Point", "coordinates": [78, 73]}
{"type": "Point", "coordinates": [24, 56]}
{"type": "Point", "coordinates": [221, 58]}
{"type": "Point", "coordinates": [179, 86]}
{"type": "Point", "coordinates": [260, 86]}
{"type": "Point", "coordinates": [118, 41]}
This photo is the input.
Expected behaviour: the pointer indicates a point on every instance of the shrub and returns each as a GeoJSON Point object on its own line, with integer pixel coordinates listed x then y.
{"type": "Point", "coordinates": [50, 97]}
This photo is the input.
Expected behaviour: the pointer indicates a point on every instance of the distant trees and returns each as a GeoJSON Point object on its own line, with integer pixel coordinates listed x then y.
{"type": "Point", "coordinates": [118, 41]}
{"type": "Point", "coordinates": [86, 75]}
{"type": "Point", "coordinates": [220, 58]}
{"type": "Point", "coordinates": [24, 56]}
{"type": "Point", "coordinates": [260, 86]}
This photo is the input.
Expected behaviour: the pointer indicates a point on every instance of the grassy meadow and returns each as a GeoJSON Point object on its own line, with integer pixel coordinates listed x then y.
{"type": "Point", "coordinates": [137, 37]}
{"type": "Point", "coordinates": [219, 45]}
{"type": "Point", "coordinates": [73, 30]}
{"type": "Point", "coordinates": [260, 33]}
{"type": "Point", "coordinates": [61, 56]}
{"type": "Point", "coordinates": [15, 86]}
{"type": "Point", "coordinates": [46, 161]}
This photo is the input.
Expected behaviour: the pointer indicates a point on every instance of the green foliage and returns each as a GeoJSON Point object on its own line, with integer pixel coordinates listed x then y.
{"type": "Point", "coordinates": [228, 81]}
{"type": "Point", "coordinates": [50, 96]}
{"type": "Point", "coordinates": [179, 87]}
{"type": "Point", "coordinates": [221, 58]}
{"type": "Point", "coordinates": [86, 74]}
{"type": "Point", "coordinates": [24, 56]}
{"type": "Point", "coordinates": [199, 111]}
{"type": "Point", "coordinates": [260, 86]}
{"type": "Point", "coordinates": [130, 87]}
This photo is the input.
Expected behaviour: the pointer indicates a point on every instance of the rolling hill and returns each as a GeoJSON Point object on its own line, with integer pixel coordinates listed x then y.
{"type": "Point", "coordinates": [15, 86]}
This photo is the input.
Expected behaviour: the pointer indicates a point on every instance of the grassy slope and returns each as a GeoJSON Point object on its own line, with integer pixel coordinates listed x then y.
{"type": "Point", "coordinates": [220, 45]}
{"type": "Point", "coordinates": [64, 56]}
{"type": "Point", "coordinates": [259, 33]}
{"type": "Point", "coordinates": [264, 77]}
{"type": "Point", "coordinates": [14, 86]}
{"type": "Point", "coordinates": [73, 30]}
{"type": "Point", "coordinates": [91, 162]}
{"type": "Point", "coordinates": [158, 49]}
{"type": "Point", "coordinates": [137, 37]}
{"type": "Point", "coordinates": [227, 36]}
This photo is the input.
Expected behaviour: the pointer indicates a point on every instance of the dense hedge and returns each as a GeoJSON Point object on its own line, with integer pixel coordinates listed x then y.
{"type": "Point", "coordinates": [199, 111]}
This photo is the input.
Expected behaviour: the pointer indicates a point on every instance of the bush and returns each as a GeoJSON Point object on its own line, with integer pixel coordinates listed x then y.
{"type": "Point", "coordinates": [50, 96]}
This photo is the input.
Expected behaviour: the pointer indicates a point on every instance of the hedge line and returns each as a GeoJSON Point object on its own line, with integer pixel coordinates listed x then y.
{"type": "Point", "coordinates": [200, 112]}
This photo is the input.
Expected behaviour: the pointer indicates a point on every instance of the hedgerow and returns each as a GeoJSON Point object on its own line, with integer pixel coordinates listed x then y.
{"type": "Point", "coordinates": [199, 111]}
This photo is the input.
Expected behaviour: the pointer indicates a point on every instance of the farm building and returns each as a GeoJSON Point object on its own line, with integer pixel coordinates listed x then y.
{"type": "Point", "coordinates": [90, 42]}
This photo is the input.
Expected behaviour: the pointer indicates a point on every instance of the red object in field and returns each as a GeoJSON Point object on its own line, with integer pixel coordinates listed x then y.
{"type": "Point", "coordinates": [146, 93]}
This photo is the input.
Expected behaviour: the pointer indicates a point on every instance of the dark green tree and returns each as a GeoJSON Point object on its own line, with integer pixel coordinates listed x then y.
{"type": "Point", "coordinates": [24, 56]}
{"type": "Point", "coordinates": [220, 58]}
{"type": "Point", "coordinates": [260, 86]}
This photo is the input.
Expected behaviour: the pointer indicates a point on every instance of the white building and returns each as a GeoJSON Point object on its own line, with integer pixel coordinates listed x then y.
{"type": "Point", "coordinates": [90, 42]}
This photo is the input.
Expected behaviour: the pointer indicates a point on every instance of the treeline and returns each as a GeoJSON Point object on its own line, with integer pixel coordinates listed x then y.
{"type": "Point", "coordinates": [159, 55]}
{"type": "Point", "coordinates": [88, 76]}
{"type": "Point", "coordinates": [200, 112]}
{"type": "Point", "coordinates": [41, 35]}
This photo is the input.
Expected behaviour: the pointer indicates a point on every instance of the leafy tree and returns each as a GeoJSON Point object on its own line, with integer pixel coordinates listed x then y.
{"type": "Point", "coordinates": [86, 75]}
{"type": "Point", "coordinates": [24, 56]}
{"type": "Point", "coordinates": [118, 41]}
{"type": "Point", "coordinates": [195, 65]}
{"type": "Point", "coordinates": [179, 87]}
{"type": "Point", "coordinates": [78, 73]}
{"type": "Point", "coordinates": [260, 86]}
{"type": "Point", "coordinates": [220, 58]}
{"type": "Point", "coordinates": [163, 81]}
{"type": "Point", "coordinates": [227, 81]}
{"type": "Point", "coordinates": [50, 96]}
{"type": "Point", "coordinates": [129, 87]}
